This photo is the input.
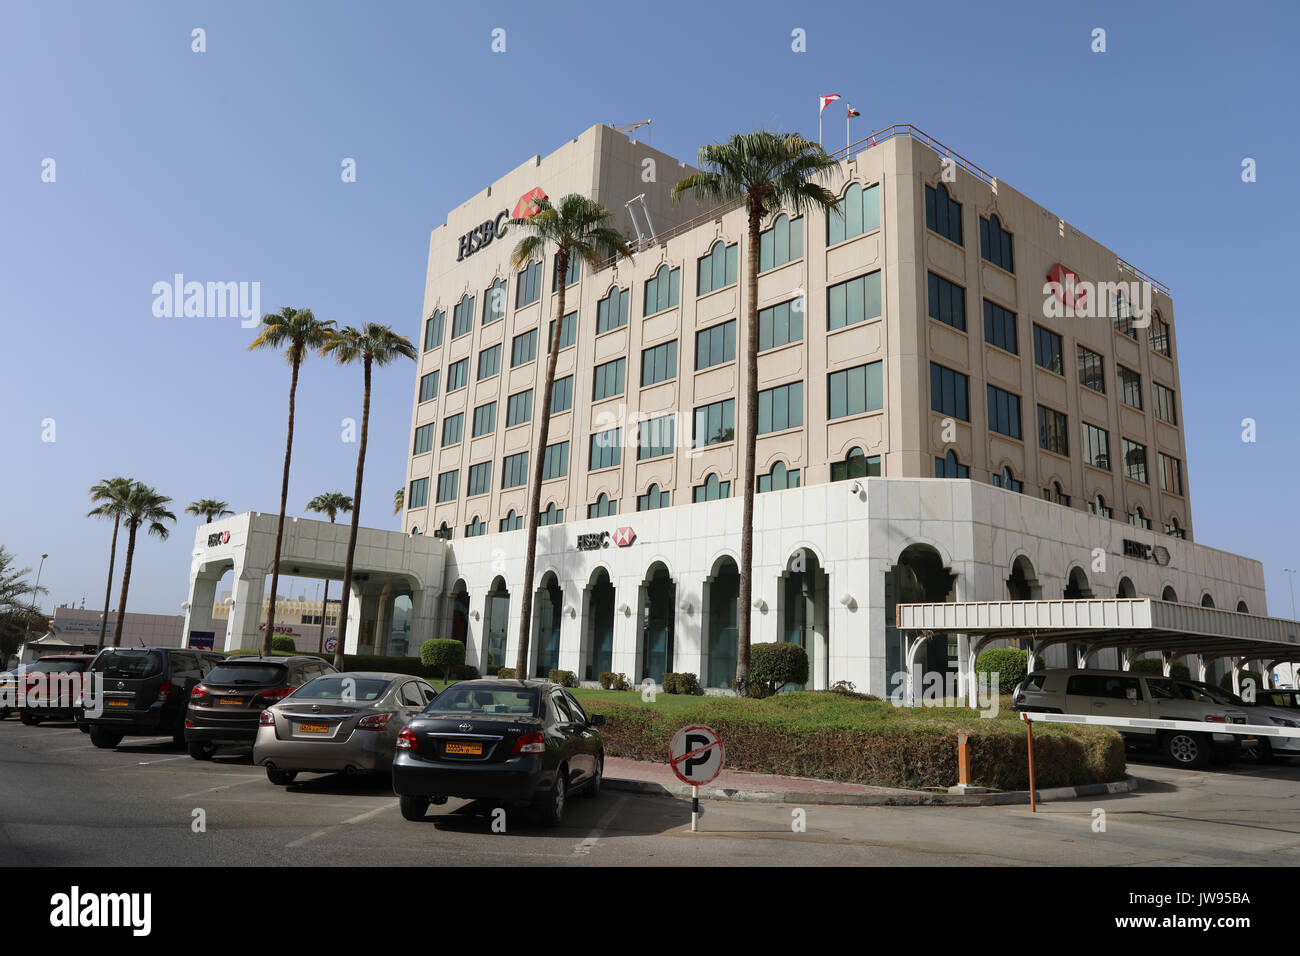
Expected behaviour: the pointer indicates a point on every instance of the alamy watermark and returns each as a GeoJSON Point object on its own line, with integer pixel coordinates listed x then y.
{"type": "Point", "coordinates": [208, 300]}
{"type": "Point", "coordinates": [945, 689]}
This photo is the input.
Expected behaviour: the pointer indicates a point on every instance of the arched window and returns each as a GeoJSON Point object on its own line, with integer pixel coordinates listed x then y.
{"type": "Point", "coordinates": [611, 311]}
{"type": "Point", "coordinates": [663, 290]}
{"type": "Point", "coordinates": [1056, 494]}
{"type": "Point", "coordinates": [494, 301]}
{"type": "Point", "coordinates": [1207, 601]}
{"type": "Point", "coordinates": [943, 213]}
{"type": "Point", "coordinates": [552, 515]}
{"type": "Point", "coordinates": [782, 242]}
{"type": "Point", "coordinates": [717, 270]}
{"type": "Point", "coordinates": [571, 275]}
{"type": "Point", "coordinates": [859, 213]}
{"type": "Point", "coordinates": [653, 499]}
{"type": "Point", "coordinates": [1174, 529]}
{"type": "Point", "coordinates": [1139, 519]}
{"type": "Point", "coordinates": [713, 489]}
{"type": "Point", "coordinates": [995, 243]}
{"type": "Point", "coordinates": [475, 527]}
{"type": "Point", "coordinates": [512, 521]}
{"type": "Point", "coordinates": [779, 478]}
{"type": "Point", "coordinates": [1126, 589]}
{"type": "Point", "coordinates": [602, 507]}
{"type": "Point", "coordinates": [1169, 594]}
{"type": "Point", "coordinates": [462, 317]}
{"type": "Point", "coordinates": [1006, 479]}
{"type": "Point", "coordinates": [949, 467]}
{"type": "Point", "coordinates": [856, 464]}
{"type": "Point", "coordinates": [1124, 316]}
{"type": "Point", "coordinates": [415, 529]}
{"type": "Point", "coordinates": [1098, 507]}
{"type": "Point", "coordinates": [1242, 608]}
{"type": "Point", "coordinates": [444, 531]}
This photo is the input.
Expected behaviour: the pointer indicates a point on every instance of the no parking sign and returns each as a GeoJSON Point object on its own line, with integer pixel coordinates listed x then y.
{"type": "Point", "coordinates": [696, 756]}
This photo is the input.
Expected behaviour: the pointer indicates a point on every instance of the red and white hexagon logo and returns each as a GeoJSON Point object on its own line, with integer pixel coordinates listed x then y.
{"type": "Point", "coordinates": [624, 536]}
{"type": "Point", "coordinates": [225, 537]}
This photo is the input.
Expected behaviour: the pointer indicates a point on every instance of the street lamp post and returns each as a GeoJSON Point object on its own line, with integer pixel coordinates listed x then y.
{"type": "Point", "coordinates": [36, 591]}
{"type": "Point", "coordinates": [1291, 571]}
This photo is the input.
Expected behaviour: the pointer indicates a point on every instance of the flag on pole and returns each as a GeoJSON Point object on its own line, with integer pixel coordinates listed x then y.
{"type": "Point", "coordinates": [827, 100]}
{"type": "Point", "coordinates": [852, 111]}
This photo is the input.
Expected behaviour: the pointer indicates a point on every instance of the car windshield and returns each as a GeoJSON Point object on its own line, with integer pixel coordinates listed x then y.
{"type": "Point", "coordinates": [130, 664]}
{"type": "Point", "coordinates": [56, 667]}
{"type": "Point", "coordinates": [246, 674]}
{"type": "Point", "coordinates": [479, 699]}
{"type": "Point", "coordinates": [343, 688]}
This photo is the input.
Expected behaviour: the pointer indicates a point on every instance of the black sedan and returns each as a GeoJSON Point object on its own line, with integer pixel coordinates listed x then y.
{"type": "Point", "coordinates": [516, 742]}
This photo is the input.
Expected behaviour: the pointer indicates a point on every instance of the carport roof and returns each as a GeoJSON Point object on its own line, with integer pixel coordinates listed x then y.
{"type": "Point", "coordinates": [1139, 623]}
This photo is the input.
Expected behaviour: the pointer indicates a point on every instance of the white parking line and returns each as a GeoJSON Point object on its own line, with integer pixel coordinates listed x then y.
{"type": "Point", "coordinates": [357, 819]}
{"type": "Point", "coordinates": [224, 786]}
{"type": "Point", "coordinates": [146, 763]}
{"type": "Point", "coordinates": [586, 846]}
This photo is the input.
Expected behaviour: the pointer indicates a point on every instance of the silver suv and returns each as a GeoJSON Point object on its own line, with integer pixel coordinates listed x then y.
{"type": "Point", "coordinates": [1134, 695]}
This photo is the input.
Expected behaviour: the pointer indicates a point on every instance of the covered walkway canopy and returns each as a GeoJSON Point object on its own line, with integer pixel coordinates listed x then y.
{"type": "Point", "coordinates": [1133, 626]}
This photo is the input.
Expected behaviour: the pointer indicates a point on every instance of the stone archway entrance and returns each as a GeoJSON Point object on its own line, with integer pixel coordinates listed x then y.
{"type": "Point", "coordinates": [496, 620]}
{"type": "Point", "coordinates": [658, 603]}
{"type": "Point", "coordinates": [721, 623]}
{"type": "Point", "coordinates": [803, 607]}
{"type": "Point", "coordinates": [548, 606]}
{"type": "Point", "coordinates": [918, 576]}
{"type": "Point", "coordinates": [598, 624]}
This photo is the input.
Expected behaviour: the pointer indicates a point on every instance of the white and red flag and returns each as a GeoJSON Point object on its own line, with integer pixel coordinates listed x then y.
{"type": "Point", "coordinates": [827, 100]}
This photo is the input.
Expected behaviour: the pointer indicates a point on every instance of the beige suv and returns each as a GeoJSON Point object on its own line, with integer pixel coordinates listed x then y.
{"type": "Point", "coordinates": [1143, 696]}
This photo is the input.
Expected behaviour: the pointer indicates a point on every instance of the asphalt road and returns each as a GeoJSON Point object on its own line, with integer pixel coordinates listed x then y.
{"type": "Point", "coordinates": [65, 803]}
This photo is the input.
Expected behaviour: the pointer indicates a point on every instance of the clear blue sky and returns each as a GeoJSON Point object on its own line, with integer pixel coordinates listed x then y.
{"type": "Point", "coordinates": [225, 166]}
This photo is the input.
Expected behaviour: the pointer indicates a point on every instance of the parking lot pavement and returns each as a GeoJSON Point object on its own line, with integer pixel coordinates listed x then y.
{"type": "Point", "coordinates": [63, 802]}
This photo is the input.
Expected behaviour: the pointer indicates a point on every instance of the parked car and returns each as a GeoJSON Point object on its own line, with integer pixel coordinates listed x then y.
{"type": "Point", "coordinates": [1284, 698]}
{"type": "Point", "coordinates": [9, 692]}
{"type": "Point", "coordinates": [339, 723]}
{"type": "Point", "coordinates": [1134, 695]}
{"type": "Point", "coordinates": [49, 698]}
{"type": "Point", "coordinates": [145, 692]}
{"type": "Point", "coordinates": [1256, 749]}
{"type": "Point", "coordinates": [517, 742]}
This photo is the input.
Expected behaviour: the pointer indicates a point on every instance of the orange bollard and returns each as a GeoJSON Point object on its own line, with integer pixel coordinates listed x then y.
{"type": "Point", "coordinates": [963, 761]}
{"type": "Point", "coordinates": [1029, 736]}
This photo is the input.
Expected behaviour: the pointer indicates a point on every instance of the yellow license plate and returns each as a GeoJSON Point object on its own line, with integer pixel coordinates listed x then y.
{"type": "Point", "coordinates": [313, 728]}
{"type": "Point", "coordinates": [117, 702]}
{"type": "Point", "coordinates": [471, 749]}
{"type": "Point", "coordinates": [232, 701]}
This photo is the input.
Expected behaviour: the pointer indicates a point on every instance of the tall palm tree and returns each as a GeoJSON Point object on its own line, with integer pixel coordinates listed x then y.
{"type": "Point", "coordinates": [209, 509]}
{"type": "Point", "coordinates": [330, 503]}
{"type": "Point", "coordinates": [18, 610]}
{"type": "Point", "coordinates": [296, 331]}
{"type": "Point", "coordinates": [769, 171]}
{"type": "Point", "coordinates": [373, 345]}
{"type": "Point", "coordinates": [399, 501]}
{"type": "Point", "coordinates": [579, 227]}
{"type": "Point", "coordinates": [110, 494]}
{"type": "Point", "coordinates": [142, 507]}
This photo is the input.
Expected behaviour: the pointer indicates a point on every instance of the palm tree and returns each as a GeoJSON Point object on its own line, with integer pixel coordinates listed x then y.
{"type": "Point", "coordinates": [17, 605]}
{"type": "Point", "coordinates": [399, 501]}
{"type": "Point", "coordinates": [142, 506]}
{"type": "Point", "coordinates": [209, 509]}
{"type": "Point", "coordinates": [330, 503]}
{"type": "Point", "coordinates": [110, 493]}
{"type": "Point", "coordinates": [296, 331]}
{"type": "Point", "coordinates": [373, 345]}
{"type": "Point", "coordinates": [769, 171]}
{"type": "Point", "coordinates": [579, 227]}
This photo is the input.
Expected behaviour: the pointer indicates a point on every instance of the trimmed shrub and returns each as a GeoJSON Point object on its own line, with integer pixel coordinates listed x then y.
{"type": "Point", "coordinates": [1009, 663]}
{"type": "Point", "coordinates": [506, 673]}
{"type": "Point", "coordinates": [1156, 667]}
{"type": "Point", "coordinates": [611, 681]}
{"type": "Point", "coordinates": [1225, 681]}
{"type": "Point", "coordinates": [466, 672]}
{"type": "Point", "coordinates": [283, 642]}
{"type": "Point", "coordinates": [681, 683]}
{"type": "Point", "coordinates": [443, 654]}
{"type": "Point", "coordinates": [563, 678]}
{"type": "Point", "coordinates": [772, 666]}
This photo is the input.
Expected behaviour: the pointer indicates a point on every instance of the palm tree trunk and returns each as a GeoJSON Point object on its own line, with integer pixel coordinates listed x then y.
{"type": "Point", "coordinates": [535, 493]}
{"type": "Point", "coordinates": [743, 615]}
{"type": "Point", "coordinates": [356, 517]}
{"type": "Point", "coordinates": [108, 588]}
{"type": "Point", "coordinates": [126, 582]}
{"type": "Point", "coordinates": [284, 502]}
{"type": "Point", "coordinates": [324, 604]}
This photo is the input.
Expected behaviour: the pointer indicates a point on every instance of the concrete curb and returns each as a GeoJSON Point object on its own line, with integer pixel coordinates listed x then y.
{"type": "Point", "coordinates": [882, 797]}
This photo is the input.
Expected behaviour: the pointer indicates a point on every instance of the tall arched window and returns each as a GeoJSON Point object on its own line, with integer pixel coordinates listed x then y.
{"type": "Point", "coordinates": [602, 507]}
{"type": "Point", "coordinates": [713, 489]}
{"type": "Point", "coordinates": [717, 270]}
{"type": "Point", "coordinates": [462, 317]}
{"type": "Point", "coordinates": [552, 515]}
{"type": "Point", "coordinates": [779, 478]}
{"type": "Point", "coordinates": [1099, 507]}
{"type": "Point", "coordinates": [611, 311]}
{"type": "Point", "coordinates": [476, 527]}
{"type": "Point", "coordinates": [856, 464]}
{"type": "Point", "coordinates": [1174, 529]}
{"type": "Point", "coordinates": [653, 499]}
{"type": "Point", "coordinates": [859, 213]}
{"type": "Point", "coordinates": [494, 302]}
{"type": "Point", "coordinates": [943, 213]}
{"type": "Point", "coordinates": [782, 242]}
{"type": "Point", "coordinates": [949, 467]}
{"type": "Point", "coordinates": [512, 521]}
{"type": "Point", "coordinates": [1006, 479]}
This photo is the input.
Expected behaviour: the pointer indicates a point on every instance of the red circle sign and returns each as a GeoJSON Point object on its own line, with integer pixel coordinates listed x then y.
{"type": "Point", "coordinates": [696, 755]}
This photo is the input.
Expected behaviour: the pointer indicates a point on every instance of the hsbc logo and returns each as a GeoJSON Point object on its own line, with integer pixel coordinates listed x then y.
{"type": "Point", "coordinates": [1065, 284]}
{"type": "Point", "coordinates": [624, 536]}
{"type": "Point", "coordinates": [481, 236]}
{"type": "Point", "coordinates": [218, 537]}
{"type": "Point", "coordinates": [526, 208]}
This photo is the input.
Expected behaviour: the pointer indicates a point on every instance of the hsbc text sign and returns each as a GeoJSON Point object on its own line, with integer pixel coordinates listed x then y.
{"type": "Point", "coordinates": [596, 540]}
{"type": "Point", "coordinates": [218, 537]}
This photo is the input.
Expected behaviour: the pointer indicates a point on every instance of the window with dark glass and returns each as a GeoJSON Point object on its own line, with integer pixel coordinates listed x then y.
{"type": "Point", "coordinates": [477, 526]}
{"type": "Point", "coordinates": [949, 467]}
{"type": "Point", "coordinates": [856, 464]}
{"type": "Point", "coordinates": [949, 392]}
{"type": "Point", "coordinates": [1099, 507]}
{"type": "Point", "coordinates": [1159, 335]}
{"type": "Point", "coordinates": [457, 375]}
{"type": "Point", "coordinates": [462, 317]}
{"type": "Point", "coordinates": [715, 423]}
{"type": "Point", "coordinates": [568, 331]}
{"type": "Point", "coordinates": [612, 311]}
{"type": "Point", "coordinates": [780, 324]}
{"type": "Point", "coordinates": [552, 515]}
{"type": "Point", "coordinates": [514, 470]}
{"type": "Point", "coordinates": [562, 395]}
{"type": "Point", "coordinates": [1092, 370]}
{"type": "Point", "coordinates": [452, 428]}
{"type": "Point", "coordinates": [494, 302]}
{"type": "Point", "coordinates": [602, 507]}
{"type": "Point", "coordinates": [528, 285]}
{"type": "Point", "coordinates": [1053, 431]}
{"type": "Point", "coordinates": [429, 386]}
{"type": "Point", "coordinates": [942, 213]}
{"type": "Point", "coordinates": [418, 496]}
{"type": "Point", "coordinates": [1130, 386]}
{"type": "Point", "coordinates": [782, 242]}
{"type": "Point", "coordinates": [855, 390]}
{"type": "Point", "coordinates": [519, 408]}
{"type": "Point", "coordinates": [779, 478]}
{"type": "Point", "coordinates": [1096, 446]}
{"type": "Point", "coordinates": [1000, 328]}
{"type": "Point", "coordinates": [663, 290]}
{"type": "Point", "coordinates": [489, 362]}
{"type": "Point", "coordinates": [447, 482]}
{"type": "Point", "coordinates": [859, 213]}
{"type": "Point", "coordinates": [433, 329]}
{"type": "Point", "coordinates": [715, 345]}
{"type": "Point", "coordinates": [780, 408]}
{"type": "Point", "coordinates": [1047, 350]}
{"type": "Point", "coordinates": [1124, 316]}
{"type": "Point", "coordinates": [485, 419]}
{"type": "Point", "coordinates": [512, 521]}
{"type": "Point", "coordinates": [605, 449]}
{"type": "Point", "coordinates": [1135, 460]}
{"type": "Point", "coordinates": [572, 274]}
{"type": "Point", "coordinates": [853, 301]}
{"type": "Point", "coordinates": [1006, 479]}
{"type": "Point", "coordinates": [523, 348]}
{"type": "Point", "coordinates": [947, 302]}
{"type": "Point", "coordinates": [423, 439]}
{"type": "Point", "coordinates": [653, 499]}
{"type": "Point", "coordinates": [659, 363]}
{"type": "Point", "coordinates": [480, 479]}
{"type": "Point", "coordinates": [655, 438]}
{"type": "Point", "coordinates": [995, 243]}
{"type": "Point", "coordinates": [717, 270]}
{"type": "Point", "coordinates": [555, 463]}
{"type": "Point", "coordinates": [1166, 408]}
{"type": "Point", "coordinates": [608, 379]}
{"type": "Point", "coordinates": [713, 489]}
{"type": "Point", "coordinates": [1004, 411]}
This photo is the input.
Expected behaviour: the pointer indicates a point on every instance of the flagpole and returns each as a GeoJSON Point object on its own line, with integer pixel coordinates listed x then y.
{"type": "Point", "coordinates": [847, 136]}
{"type": "Point", "coordinates": [819, 125]}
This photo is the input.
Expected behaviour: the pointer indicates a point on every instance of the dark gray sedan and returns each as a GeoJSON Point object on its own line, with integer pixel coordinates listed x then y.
{"type": "Point", "coordinates": [339, 723]}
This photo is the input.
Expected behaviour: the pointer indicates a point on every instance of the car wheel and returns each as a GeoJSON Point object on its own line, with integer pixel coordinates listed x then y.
{"type": "Point", "coordinates": [31, 720]}
{"type": "Point", "coordinates": [593, 788]}
{"type": "Point", "coordinates": [281, 778]}
{"type": "Point", "coordinates": [1187, 750]}
{"type": "Point", "coordinates": [413, 808]}
{"type": "Point", "coordinates": [104, 738]}
{"type": "Point", "coordinates": [1260, 751]}
{"type": "Point", "coordinates": [550, 805]}
{"type": "Point", "coordinates": [202, 749]}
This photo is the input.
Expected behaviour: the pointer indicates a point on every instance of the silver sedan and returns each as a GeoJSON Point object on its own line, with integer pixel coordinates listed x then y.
{"type": "Point", "coordinates": [339, 723]}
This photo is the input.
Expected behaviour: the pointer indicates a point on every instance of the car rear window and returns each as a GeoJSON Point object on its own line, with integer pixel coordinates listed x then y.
{"type": "Point", "coordinates": [130, 664]}
{"type": "Point", "coordinates": [344, 688]}
{"type": "Point", "coordinates": [247, 674]}
{"type": "Point", "coordinates": [462, 699]}
{"type": "Point", "coordinates": [56, 667]}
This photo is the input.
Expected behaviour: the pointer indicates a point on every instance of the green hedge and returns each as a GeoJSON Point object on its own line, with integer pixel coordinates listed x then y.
{"type": "Point", "coordinates": [1226, 680]}
{"type": "Point", "coordinates": [773, 666]}
{"type": "Point", "coordinates": [563, 678]}
{"type": "Point", "coordinates": [833, 737]}
{"type": "Point", "coordinates": [682, 683]}
{"type": "Point", "coordinates": [1009, 663]}
{"type": "Point", "coordinates": [506, 673]}
{"type": "Point", "coordinates": [283, 642]}
{"type": "Point", "coordinates": [444, 655]}
{"type": "Point", "coordinates": [611, 681]}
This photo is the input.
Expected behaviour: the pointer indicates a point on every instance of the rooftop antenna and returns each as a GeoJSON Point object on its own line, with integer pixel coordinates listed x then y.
{"type": "Point", "coordinates": [641, 240]}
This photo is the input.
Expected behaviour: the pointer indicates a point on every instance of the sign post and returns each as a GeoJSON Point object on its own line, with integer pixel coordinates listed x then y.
{"type": "Point", "coordinates": [696, 755]}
